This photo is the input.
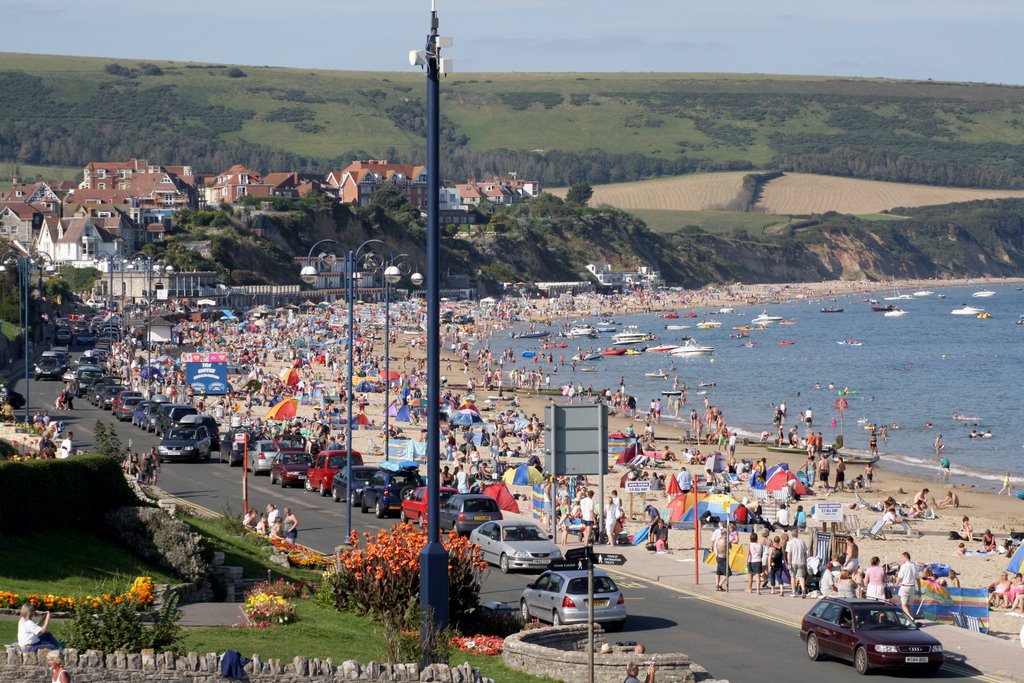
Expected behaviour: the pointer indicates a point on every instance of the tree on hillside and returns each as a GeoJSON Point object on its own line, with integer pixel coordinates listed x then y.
{"type": "Point", "coordinates": [579, 194]}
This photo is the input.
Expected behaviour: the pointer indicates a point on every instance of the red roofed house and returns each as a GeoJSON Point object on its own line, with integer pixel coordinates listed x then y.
{"type": "Point", "coordinates": [235, 183]}
{"type": "Point", "coordinates": [118, 175]}
{"type": "Point", "coordinates": [296, 185]}
{"type": "Point", "coordinates": [360, 179]}
{"type": "Point", "coordinates": [40, 196]}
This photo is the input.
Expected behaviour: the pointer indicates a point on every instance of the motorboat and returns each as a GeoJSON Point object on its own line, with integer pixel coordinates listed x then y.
{"type": "Point", "coordinates": [850, 342]}
{"type": "Point", "coordinates": [587, 356]}
{"type": "Point", "coordinates": [669, 316]}
{"type": "Point", "coordinates": [677, 327]}
{"type": "Point", "coordinates": [884, 309]}
{"type": "Point", "coordinates": [726, 309]}
{"type": "Point", "coordinates": [967, 310]}
{"type": "Point", "coordinates": [708, 325]}
{"type": "Point", "coordinates": [613, 352]}
{"type": "Point", "coordinates": [691, 348]}
{"type": "Point", "coordinates": [895, 313]}
{"type": "Point", "coordinates": [924, 292]}
{"type": "Point", "coordinates": [785, 342]}
{"type": "Point", "coordinates": [1020, 320]}
{"type": "Point", "coordinates": [530, 335]}
{"type": "Point", "coordinates": [984, 294]}
{"type": "Point", "coordinates": [632, 335]}
{"type": "Point", "coordinates": [898, 297]}
{"type": "Point", "coordinates": [832, 310]}
{"type": "Point", "coordinates": [581, 331]}
{"type": "Point", "coordinates": [765, 319]}
{"type": "Point", "coordinates": [606, 328]}
{"type": "Point", "coordinates": [663, 348]}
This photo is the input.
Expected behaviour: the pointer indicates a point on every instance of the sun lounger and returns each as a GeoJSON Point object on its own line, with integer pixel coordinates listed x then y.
{"type": "Point", "coordinates": [876, 530]}
{"type": "Point", "coordinates": [851, 524]}
{"type": "Point", "coordinates": [908, 529]}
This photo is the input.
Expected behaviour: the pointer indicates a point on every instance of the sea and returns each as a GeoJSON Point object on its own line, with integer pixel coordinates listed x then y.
{"type": "Point", "coordinates": [911, 373]}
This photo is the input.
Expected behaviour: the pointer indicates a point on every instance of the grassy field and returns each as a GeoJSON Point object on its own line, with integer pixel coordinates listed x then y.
{"type": "Point", "coordinates": [709, 221]}
{"type": "Point", "coordinates": [69, 563]}
{"type": "Point", "coordinates": [27, 173]}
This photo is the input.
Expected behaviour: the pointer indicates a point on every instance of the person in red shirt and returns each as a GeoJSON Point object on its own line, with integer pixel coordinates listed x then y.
{"type": "Point", "coordinates": [742, 514]}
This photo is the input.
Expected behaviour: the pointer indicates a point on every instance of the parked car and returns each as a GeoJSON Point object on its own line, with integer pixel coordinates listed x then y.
{"type": "Point", "coordinates": [139, 412]}
{"type": "Point", "coordinates": [515, 544]}
{"type": "Point", "coordinates": [50, 367]}
{"type": "Point", "coordinates": [384, 491]}
{"type": "Point", "coordinates": [560, 597]}
{"type": "Point", "coordinates": [414, 505]}
{"type": "Point", "coordinates": [189, 442]}
{"type": "Point", "coordinates": [170, 414]}
{"type": "Point", "coordinates": [8, 394]}
{"type": "Point", "coordinates": [361, 474]}
{"type": "Point", "coordinates": [96, 355]}
{"type": "Point", "coordinates": [126, 411]}
{"type": "Point", "coordinates": [290, 468]}
{"type": "Point", "coordinates": [60, 354]}
{"type": "Point", "coordinates": [86, 376]}
{"type": "Point", "coordinates": [235, 453]}
{"type": "Point", "coordinates": [871, 634]}
{"type": "Point", "coordinates": [290, 443]}
{"type": "Point", "coordinates": [63, 336]}
{"type": "Point", "coordinates": [466, 511]}
{"type": "Point", "coordinates": [106, 398]}
{"type": "Point", "coordinates": [83, 338]}
{"type": "Point", "coordinates": [261, 455]}
{"type": "Point", "coordinates": [209, 422]}
{"type": "Point", "coordinates": [149, 420]}
{"type": "Point", "coordinates": [325, 465]}
{"type": "Point", "coordinates": [115, 404]}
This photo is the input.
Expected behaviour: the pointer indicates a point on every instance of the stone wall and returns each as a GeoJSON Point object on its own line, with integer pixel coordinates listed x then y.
{"type": "Point", "coordinates": [560, 652]}
{"type": "Point", "coordinates": [149, 667]}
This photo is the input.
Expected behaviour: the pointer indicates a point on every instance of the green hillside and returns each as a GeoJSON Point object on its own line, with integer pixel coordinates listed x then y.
{"type": "Point", "coordinates": [65, 111]}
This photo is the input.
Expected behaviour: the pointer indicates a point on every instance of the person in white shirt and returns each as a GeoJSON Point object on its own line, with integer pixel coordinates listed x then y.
{"type": "Point", "coordinates": [33, 636]}
{"type": "Point", "coordinates": [685, 480]}
{"type": "Point", "coordinates": [611, 519]}
{"type": "Point", "coordinates": [587, 515]}
{"type": "Point", "coordinates": [461, 480]}
{"type": "Point", "coordinates": [907, 577]}
{"type": "Point", "coordinates": [782, 517]}
{"type": "Point", "coordinates": [796, 558]}
{"type": "Point", "coordinates": [273, 514]}
{"type": "Point", "coordinates": [732, 445]}
{"type": "Point", "coordinates": [67, 446]}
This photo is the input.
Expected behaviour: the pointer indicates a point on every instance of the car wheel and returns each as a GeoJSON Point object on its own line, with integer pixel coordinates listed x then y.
{"type": "Point", "coordinates": [273, 479]}
{"type": "Point", "coordinates": [323, 491]}
{"type": "Point", "coordinates": [284, 484]}
{"type": "Point", "coordinates": [813, 650]}
{"type": "Point", "coordinates": [354, 499]}
{"type": "Point", "coordinates": [524, 609]}
{"type": "Point", "coordinates": [556, 618]}
{"type": "Point", "coordinates": [309, 486]}
{"type": "Point", "coordinates": [402, 517]}
{"type": "Point", "coordinates": [860, 661]}
{"type": "Point", "coordinates": [334, 495]}
{"type": "Point", "coordinates": [363, 507]}
{"type": "Point", "coordinates": [380, 510]}
{"type": "Point", "coordinates": [503, 564]}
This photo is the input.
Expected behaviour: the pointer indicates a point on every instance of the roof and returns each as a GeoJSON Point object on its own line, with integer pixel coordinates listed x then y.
{"type": "Point", "coordinates": [100, 197]}
{"type": "Point", "coordinates": [74, 227]}
{"type": "Point", "coordinates": [20, 209]}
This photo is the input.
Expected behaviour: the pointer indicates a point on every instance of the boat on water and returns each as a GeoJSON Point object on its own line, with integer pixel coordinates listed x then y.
{"type": "Point", "coordinates": [850, 342]}
{"type": "Point", "coordinates": [787, 322]}
{"type": "Point", "coordinates": [924, 292]}
{"type": "Point", "coordinates": [677, 327]}
{"type": "Point", "coordinates": [530, 335]}
{"type": "Point", "coordinates": [588, 369]}
{"type": "Point", "coordinates": [741, 335]}
{"type": "Point", "coordinates": [884, 309]}
{"type": "Point", "coordinates": [967, 310]}
{"type": "Point", "coordinates": [984, 294]}
{"type": "Point", "coordinates": [672, 392]}
{"type": "Point", "coordinates": [899, 297]}
{"type": "Point", "coordinates": [613, 352]}
{"type": "Point", "coordinates": [785, 342]}
{"type": "Point", "coordinates": [691, 348]}
{"type": "Point", "coordinates": [765, 319]}
{"type": "Point", "coordinates": [691, 314]}
{"type": "Point", "coordinates": [984, 316]}
{"type": "Point", "coordinates": [587, 356]}
{"type": "Point", "coordinates": [662, 348]}
{"type": "Point", "coordinates": [726, 309]}
{"type": "Point", "coordinates": [1020, 320]}
{"type": "Point", "coordinates": [659, 375]}
{"type": "Point", "coordinates": [632, 352]}
{"type": "Point", "coordinates": [578, 331]}
{"type": "Point", "coordinates": [895, 313]}
{"type": "Point", "coordinates": [708, 384]}
{"type": "Point", "coordinates": [832, 310]}
{"type": "Point", "coordinates": [708, 325]}
{"type": "Point", "coordinates": [632, 335]}
{"type": "Point", "coordinates": [669, 316]}
{"type": "Point", "coordinates": [606, 328]}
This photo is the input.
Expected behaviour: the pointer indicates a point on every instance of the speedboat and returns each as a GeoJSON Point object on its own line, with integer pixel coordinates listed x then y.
{"type": "Point", "coordinates": [884, 309]}
{"type": "Point", "coordinates": [530, 335]}
{"type": "Point", "coordinates": [662, 348]}
{"type": "Point", "coordinates": [895, 313]}
{"type": "Point", "coordinates": [606, 328]}
{"type": "Point", "coordinates": [632, 336]}
{"type": "Point", "coordinates": [1020, 320]}
{"type": "Point", "coordinates": [849, 342]}
{"type": "Point", "coordinates": [924, 292]}
{"type": "Point", "coordinates": [691, 348]}
{"type": "Point", "coordinates": [726, 309]}
{"type": "Point", "coordinates": [669, 316]}
{"type": "Point", "coordinates": [832, 310]}
{"type": "Point", "coordinates": [581, 331]}
{"type": "Point", "coordinates": [708, 325]}
{"type": "Point", "coordinates": [984, 294]}
{"type": "Point", "coordinates": [765, 319]}
{"type": "Point", "coordinates": [613, 352]}
{"type": "Point", "coordinates": [785, 342]}
{"type": "Point", "coordinates": [587, 356]}
{"type": "Point", "coordinates": [967, 310]}
{"type": "Point", "coordinates": [677, 327]}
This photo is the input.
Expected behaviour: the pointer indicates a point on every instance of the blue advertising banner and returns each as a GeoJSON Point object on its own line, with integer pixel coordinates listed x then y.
{"type": "Point", "coordinates": [208, 378]}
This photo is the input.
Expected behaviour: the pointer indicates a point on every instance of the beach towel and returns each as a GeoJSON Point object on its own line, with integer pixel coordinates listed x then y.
{"type": "Point", "coordinates": [640, 536]}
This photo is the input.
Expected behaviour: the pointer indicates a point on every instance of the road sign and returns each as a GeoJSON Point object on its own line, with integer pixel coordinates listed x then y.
{"type": "Point", "coordinates": [576, 438]}
{"type": "Point", "coordinates": [581, 563]}
{"type": "Point", "coordinates": [638, 486]}
{"type": "Point", "coordinates": [828, 512]}
{"type": "Point", "coordinates": [578, 553]}
{"type": "Point", "coordinates": [606, 558]}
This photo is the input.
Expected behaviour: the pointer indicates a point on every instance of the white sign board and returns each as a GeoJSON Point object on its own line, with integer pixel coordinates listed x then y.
{"type": "Point", "coordinates": [240, 438]}
{"type": "Point", "coordinates": [638, 486]}
{"type": "Point", "coordinates": [828, 512]}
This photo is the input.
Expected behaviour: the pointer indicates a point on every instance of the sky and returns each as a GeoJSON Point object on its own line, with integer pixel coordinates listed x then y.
{"type": "Point", "coordinates": [917, 39]}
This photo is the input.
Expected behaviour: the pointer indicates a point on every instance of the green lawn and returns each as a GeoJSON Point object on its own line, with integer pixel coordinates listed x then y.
{"type": "Point", "coordinates": [68, 563]}
{"type": "Point", "coordinates": [881, 217]}
{"type": "Point", "coordinates": [9, 330]}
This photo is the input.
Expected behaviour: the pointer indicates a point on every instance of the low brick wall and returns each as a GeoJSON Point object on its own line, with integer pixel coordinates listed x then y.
{"type": "Point", "coordinates": [146, 667]}
{"type": "Point", "coordinates": [560, 652]}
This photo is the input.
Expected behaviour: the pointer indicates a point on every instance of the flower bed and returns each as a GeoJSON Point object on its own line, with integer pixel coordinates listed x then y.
{"type": "Point", "coordinates": [479, 644]}
{"type": "Point", "coordinates": [140, 593]}
{"type": "Point", "coordinates": [301, 556]}
{"type": "Point", "coordinates": [265, 609]}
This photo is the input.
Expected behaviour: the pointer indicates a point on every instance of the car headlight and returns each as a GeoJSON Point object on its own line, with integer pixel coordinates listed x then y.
{"type": "Point", "coordinates": [936, 648]}
{"type": "Point", "coordinates": [188, 448]}
{"type": "Point", "coordinates": [886, 648]}
{"type": "Point", "coordinates": [520, 553]}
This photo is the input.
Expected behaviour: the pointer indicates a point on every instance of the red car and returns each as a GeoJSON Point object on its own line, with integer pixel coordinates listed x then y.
{"type": "Point", "coordinates": [289, 468]}
{"type": "Point", "coordinates": [115, 404]}
{"type": "Point", "coordinates": [320, 475]}
{"type": "Point", "coordinates": [414, 506]}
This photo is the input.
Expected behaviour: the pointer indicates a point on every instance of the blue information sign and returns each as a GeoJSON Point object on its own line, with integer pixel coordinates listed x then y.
{"type": "Point", "coordinates": [208, 378]}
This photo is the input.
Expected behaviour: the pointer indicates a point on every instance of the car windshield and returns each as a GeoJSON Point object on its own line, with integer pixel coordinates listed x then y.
{"type": "Point", "coordinates": [479, 505]}
{"type": "Point", "coordinates": [444, 496]}
{"type": "Point", "coordinates": [602, 584]}
{"type": "Point", "coordinates": [881, 618]}
{"type": "Point", "coordinates": [183, 433]}
{"type": "Point", "coordinates": [295, 459]}
{"type": "Point", "coordinates": [362, 476]}
{"type": "Point", "coordinates": [523, 533]}
{"type": "Point", "coordinates": [132, 401]}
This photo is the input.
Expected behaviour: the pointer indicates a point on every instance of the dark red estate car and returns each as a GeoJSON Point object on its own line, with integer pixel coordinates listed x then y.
{"type": "Point", "coordinates": [289, 469]}
{"type": "Point", "coordinates": [414, 506]}
{"type": "Point", "coordinates": [871, 634]}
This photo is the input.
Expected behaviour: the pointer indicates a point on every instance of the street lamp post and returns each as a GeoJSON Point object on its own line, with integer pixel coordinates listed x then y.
{"type": "Point", "coordinates": [22, 261]}
{"type": "Point", "coordinates": [433, 557]}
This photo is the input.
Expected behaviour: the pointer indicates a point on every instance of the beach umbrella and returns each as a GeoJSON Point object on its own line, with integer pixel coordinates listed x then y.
{"type": "Point", "coordinates": [392, 375]}
{"type": "Point", "coordinates": [289, 376]}
{"type": "Point", "coordinates": [524, 475]}
{"type": "Point", "coordinates": [721, 504]}
{"type": "Point", "coordinates": [253, 385]}
{"type": "Point", "coordinates": [283, 410]}
{"type": "Point", "coordinates": [778, 478]}
{"type": "Point", "coordinates": [672, 489]}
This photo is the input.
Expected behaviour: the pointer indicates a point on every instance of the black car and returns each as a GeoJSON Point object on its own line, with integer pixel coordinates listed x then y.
{"type": "Point", "coordinates": [209, 422]}
{"type": "Point", "coordinates": [86, 376]}
{"type": "Point", "coordinates": [106, 399]}
{"type": "Point", "coordinates": [50, 367]}
{"type": "Point", "coordinates": [361, 474]}
{"type": "Point", "coordinates": [384, 492]}
{"type": "Point", "coordinates": [84, 338]}
{"type": "Point", "coordinates": [99, 389]}
{"type": "Point", "coordinates": [152, 415]}
{"type": "Point", "coordinates": [184, 442]}
{"type": "Point", "coordinates": [170, 413]}
{"type": "Point", "coordinates": [11, 396]}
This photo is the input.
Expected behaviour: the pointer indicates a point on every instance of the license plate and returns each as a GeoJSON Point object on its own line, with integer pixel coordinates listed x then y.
{"type": "Point", "coordinates": [301, 476]}
{"type": "Point", "coordinates": [601, 603]}
{"type": "Point", "coordinates": [394, 507]}
{"type": "Point", "coordinates": [481, 518]}
{"type": "Point", "coordinates": [917, 660]}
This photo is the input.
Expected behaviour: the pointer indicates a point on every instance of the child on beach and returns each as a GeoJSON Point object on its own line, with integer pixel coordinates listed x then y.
{"type": "Point", "coordinates": [1006, 486]}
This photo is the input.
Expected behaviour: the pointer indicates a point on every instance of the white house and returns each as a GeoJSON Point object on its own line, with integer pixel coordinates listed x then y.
{"type": "Point", "coordinates": [76, 241]}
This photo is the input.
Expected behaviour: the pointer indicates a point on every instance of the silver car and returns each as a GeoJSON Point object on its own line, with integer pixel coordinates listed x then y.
{"type": "Point", "coordinates": [560, 597]}
{"type": "Point", "coordinates": [513, 544]}
{"type": "Point", "coordinates": [261, 456]}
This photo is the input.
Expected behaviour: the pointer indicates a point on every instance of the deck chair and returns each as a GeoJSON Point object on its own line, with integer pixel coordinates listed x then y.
{"type": "Point", "coordinates": [875, 531]}
{"type": "Point", "coordinates": [971, 623]}
{"type": "Point", "coordinates": [851, 524]}
{"type": "Point", "coordinates": [907, 529]}
{"type": "Point", "coordinates": [823, 548]}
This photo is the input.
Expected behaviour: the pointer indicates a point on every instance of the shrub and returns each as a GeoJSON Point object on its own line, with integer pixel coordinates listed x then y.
{"type": "Point", "coordinates": [72, 493]}
{"type": "Point", "coordinates": [235, 72]}
{"type": "Point", "coordinates": [155, 537]}
{"type": "Point", "coordinates": [118, 626]}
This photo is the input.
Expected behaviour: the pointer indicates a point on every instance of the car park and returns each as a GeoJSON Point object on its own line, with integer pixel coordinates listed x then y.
{"type": "Point", "coordinates": [515, 544]}
{"type": "Point", "coordinates": [561, 597]}
{"type": "Point", "coordinates": [325, 465]}
{"type": "Point", "coordinates": [50, 367]}
{"type": "Point", "coordinates": [126, 411]}
{"type": "Point", "coordinates": [261, 455]}
{"type": "Point", "coordinates": [209, 422]}
{"type": "Point", "coordinates": [188, 442]}
{"type": "Point", "coordinates": [871, 634]}
{"type": "Point", "coordinates": [170, 414]}
{"type": "Point", "coordinates": [414, 505]}
{"type": "Point", "coordinates": [384, 491]}
{"type": "Point", "coordinates": [464, 512]}
{"type": "Point", "coordinates": [290, 468]}
{"type": "Point", "coordinates": [361, 474]}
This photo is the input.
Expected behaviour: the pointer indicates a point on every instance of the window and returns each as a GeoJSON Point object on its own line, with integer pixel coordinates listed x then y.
{"type": "Point", "coordinates": [602, 584]}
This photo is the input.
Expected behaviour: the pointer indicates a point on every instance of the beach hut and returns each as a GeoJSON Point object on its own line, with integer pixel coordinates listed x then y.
{"type": "Point", "coordinates": [524, 475]}
{"type": "Point", "coordinates": [778, 478]}
{"type": "Point", "coordinates": [500, 493]}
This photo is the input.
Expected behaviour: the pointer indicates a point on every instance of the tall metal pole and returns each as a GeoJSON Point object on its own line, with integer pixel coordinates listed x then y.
{"type": "Point", "coordinates": [349, 272]}
{"type": "Point", "coordinates": [23, 266]}
{"type": "Point", "coordinates": [110, 297]}
{"type": "Point", "coordinates": [433, 557]}
{"type": "Point", "coordinates": [387, 365]}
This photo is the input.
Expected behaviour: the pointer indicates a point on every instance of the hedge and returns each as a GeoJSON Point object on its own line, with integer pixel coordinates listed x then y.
{"type": "Point", "coordinates": [38, 495]}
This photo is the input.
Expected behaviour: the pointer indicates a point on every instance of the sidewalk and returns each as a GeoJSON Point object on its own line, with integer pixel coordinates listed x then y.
{"type": "Point", "coordinates": [966, 652]}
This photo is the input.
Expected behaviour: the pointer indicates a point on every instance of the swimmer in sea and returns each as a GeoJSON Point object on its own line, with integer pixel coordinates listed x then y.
{"type": "Point", "coordinates": [928, 425]}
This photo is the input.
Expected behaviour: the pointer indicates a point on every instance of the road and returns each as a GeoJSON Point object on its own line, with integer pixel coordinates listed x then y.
{"type": "Point", "coordinates": [730, 643]}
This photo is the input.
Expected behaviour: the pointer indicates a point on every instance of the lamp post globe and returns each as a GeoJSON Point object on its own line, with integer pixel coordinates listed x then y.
{"type": "Point", "coordinates": [416, 279]}
{"type": "Point", "coordinates": [308, 274]}
{"type": "Point", "coordinates": [392, 274]}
